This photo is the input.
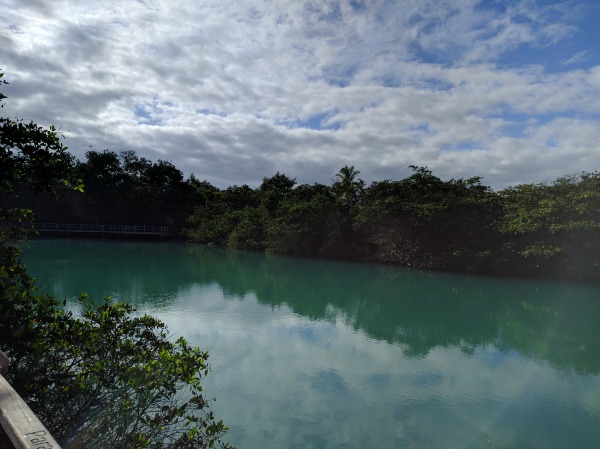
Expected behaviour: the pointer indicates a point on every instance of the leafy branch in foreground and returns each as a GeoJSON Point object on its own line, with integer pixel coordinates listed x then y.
{"type": "Point", "coordinates": [109, 378]}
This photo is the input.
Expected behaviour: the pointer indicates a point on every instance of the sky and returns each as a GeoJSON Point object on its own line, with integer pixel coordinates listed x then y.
{"type": "Point", "coordinates": [235, 91]}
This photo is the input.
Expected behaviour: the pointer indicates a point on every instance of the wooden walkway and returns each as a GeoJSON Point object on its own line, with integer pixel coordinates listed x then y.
{"type": "Point", "coordinates": [160, 231]}
{"type": "Point", "coordinates": [20, 424]}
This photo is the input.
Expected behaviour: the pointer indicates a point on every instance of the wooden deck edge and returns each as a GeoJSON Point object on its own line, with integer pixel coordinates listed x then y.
{"type": "Point", "coordinates": [21, 425]}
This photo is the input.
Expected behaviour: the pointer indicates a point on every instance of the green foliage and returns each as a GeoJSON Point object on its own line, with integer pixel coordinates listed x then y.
{"type": "Point", "coordinates": [217, 217]}
{"type": "Point", "coordinates": [554, 228]}
{"type": "Point", "coordinates": [110, 378]}
{"type": "Point", "coordinates": [347, 188]}
{"type": "Point", "coordinates": [425, 222]}
{"type": "Point", "coordinates": [305, 222]}
{"type": "Point", "coordinates": [29, 153]}
{"type": "Point", "coordinates": [277, 217]}
{"type": "Point", "coordinates": [274, 190]}
{"type": "Point", "coordinates": [124, 188]}
{"type": "Point", "coordinates": [420, 221]}
{"type": "Point", "coordinates": [120, 189]}
{"type": "Point", "coordinates": [249, 231]}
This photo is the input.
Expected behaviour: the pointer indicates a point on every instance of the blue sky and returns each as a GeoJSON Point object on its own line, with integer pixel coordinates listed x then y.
{"type": "Point", "coordinates": [233, 91]}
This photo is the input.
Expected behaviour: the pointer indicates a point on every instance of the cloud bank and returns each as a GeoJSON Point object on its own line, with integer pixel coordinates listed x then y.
{"type": "Point", "coordinates": [233, 91]}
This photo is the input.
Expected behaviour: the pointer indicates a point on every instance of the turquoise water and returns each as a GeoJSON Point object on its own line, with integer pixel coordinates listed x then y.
{"type": "Point", "coordinates": [321, 354]}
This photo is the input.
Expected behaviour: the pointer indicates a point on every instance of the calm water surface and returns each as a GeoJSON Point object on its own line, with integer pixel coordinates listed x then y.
{"type": "Point", "coordinates": [319, 354]}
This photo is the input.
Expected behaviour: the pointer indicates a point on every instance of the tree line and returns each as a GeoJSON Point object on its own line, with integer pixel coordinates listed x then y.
{"type": "Point", "coordinates": [119, 189]}
{"type": "Point", "coordinates": [541, 229]}
{"type": "Point", "coordinates": [548, 229]}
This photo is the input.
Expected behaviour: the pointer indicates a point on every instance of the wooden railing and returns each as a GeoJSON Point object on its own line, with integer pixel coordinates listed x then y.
{"type": "Point", "coordinates": [20, 424]}
{"type": "Point", "coordinates": [162, 231]}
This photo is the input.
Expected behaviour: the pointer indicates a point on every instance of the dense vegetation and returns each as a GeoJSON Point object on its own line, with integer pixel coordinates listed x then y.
{"type": "Point", "coordinates": [549, 229]}
{"type": "Point", "coordinates": [544, 229]}
{"type": "Point", "coordinates": [111, 377]}
{"type": "Point", "coordinates": [120, 189]}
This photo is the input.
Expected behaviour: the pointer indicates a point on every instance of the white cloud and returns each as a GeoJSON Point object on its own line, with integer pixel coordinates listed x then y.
{"type": "Point", "coordinates": [580, 56]}
{"type": "Point", "coordinates": [222, 85]}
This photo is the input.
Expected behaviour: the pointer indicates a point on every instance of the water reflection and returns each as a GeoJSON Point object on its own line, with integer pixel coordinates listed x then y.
{"type": "Point", "coordinates": [551, 321]}
{"type": "Point", "coordinates": [314, 354]}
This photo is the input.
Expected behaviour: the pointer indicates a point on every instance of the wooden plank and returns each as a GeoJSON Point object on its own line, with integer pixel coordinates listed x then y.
{"type": "Point", "coordinates": [4, 362]}
{"type": "Point", "coordinates": [20, 424]}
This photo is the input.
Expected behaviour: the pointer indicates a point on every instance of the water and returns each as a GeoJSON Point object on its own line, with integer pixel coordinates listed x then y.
{"type": "Point", "coordinates": [320, 354]}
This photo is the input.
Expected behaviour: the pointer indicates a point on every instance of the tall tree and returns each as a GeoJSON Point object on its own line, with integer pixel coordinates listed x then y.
{"type": "Point", "coordinates": [348, 188]}
{"type": "Point", "coordinates": [32, 154]}
{"type": "Point", "coordinates": [274, 189]}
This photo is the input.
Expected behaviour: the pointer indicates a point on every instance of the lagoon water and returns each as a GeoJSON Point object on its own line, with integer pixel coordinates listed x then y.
{"type": "Point", "coordinates": [322, 354]}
